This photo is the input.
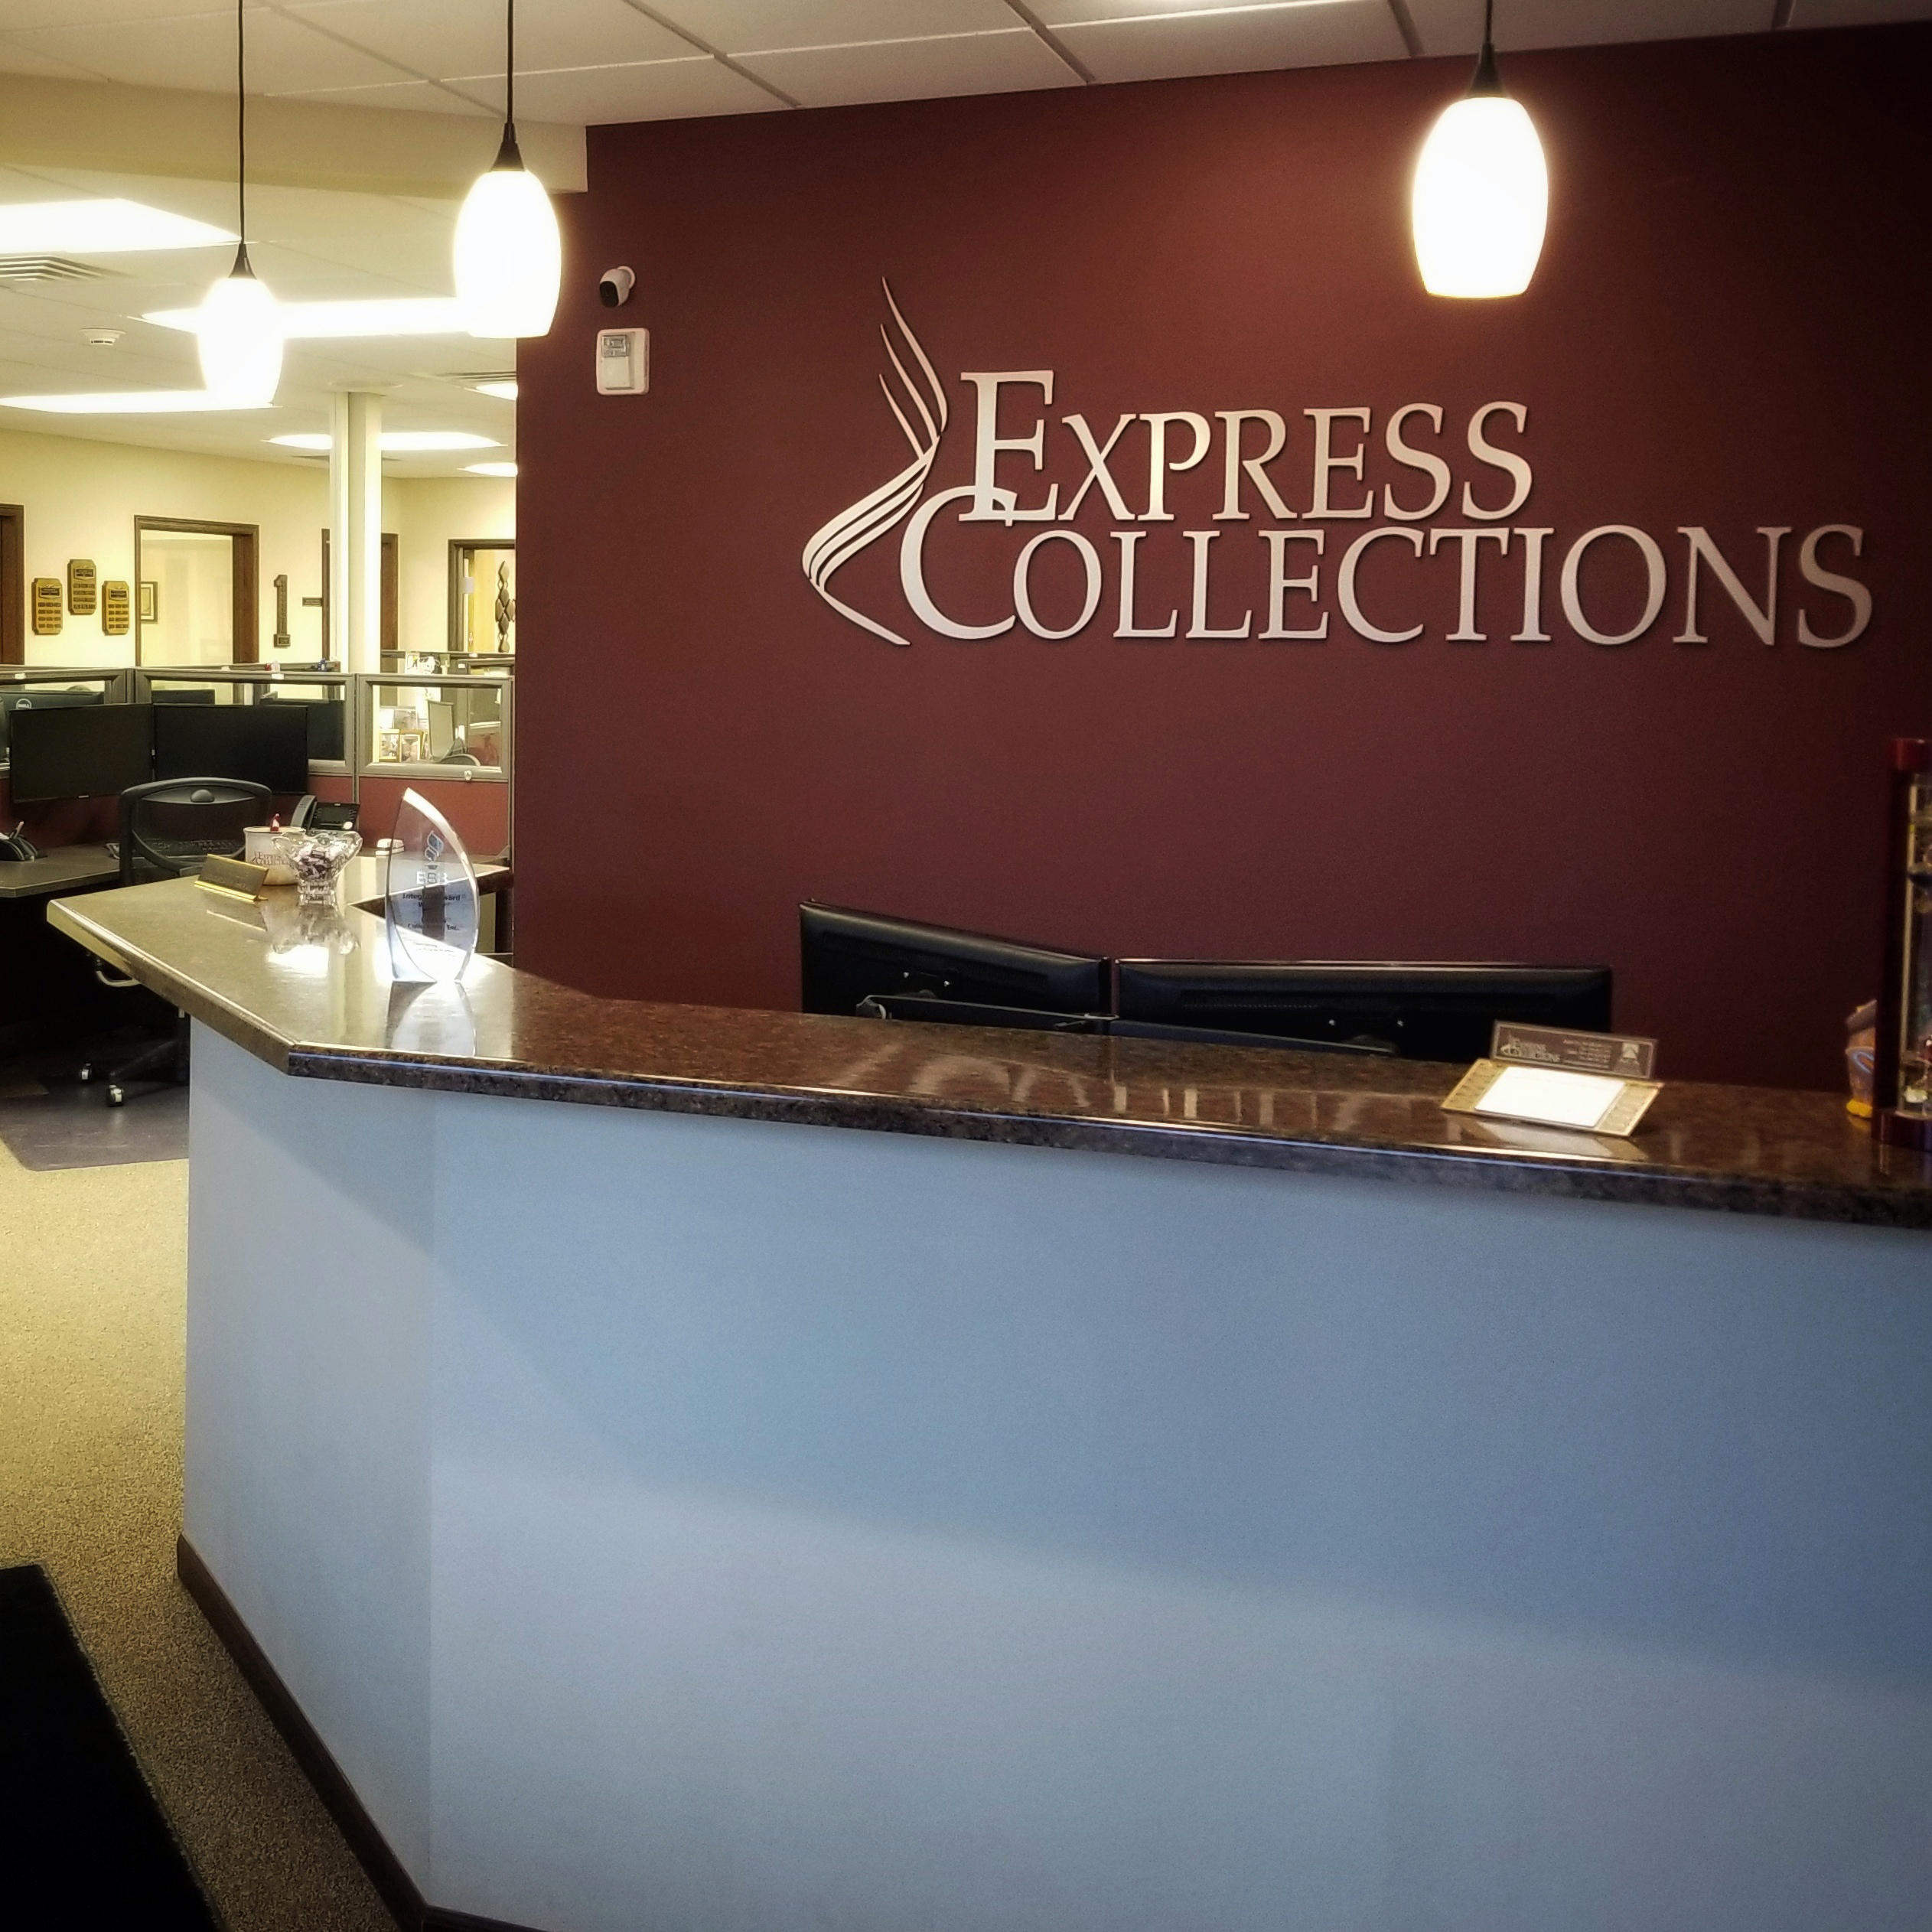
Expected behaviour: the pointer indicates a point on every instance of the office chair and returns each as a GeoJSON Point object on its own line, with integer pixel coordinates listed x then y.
{"type": "Point", "coordinates": [167, 828]}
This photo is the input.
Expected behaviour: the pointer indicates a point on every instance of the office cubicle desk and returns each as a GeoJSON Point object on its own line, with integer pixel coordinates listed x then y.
{"type": "Point", "coordinates": [686, 1467]}
{"type": "Point", "coordinates": [48, 989]}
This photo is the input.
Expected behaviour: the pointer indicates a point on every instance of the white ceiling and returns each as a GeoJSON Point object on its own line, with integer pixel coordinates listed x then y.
{"type": "Point", "coordinates": [583, 62]}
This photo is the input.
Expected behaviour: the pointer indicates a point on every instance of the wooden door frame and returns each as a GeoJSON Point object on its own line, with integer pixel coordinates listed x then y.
{"type": "Point", "coordinates": [13, 584]}
{"type": "Point", "coordinates": [245, 621]}
{"type": "Point", "coordinates": [458, 545]}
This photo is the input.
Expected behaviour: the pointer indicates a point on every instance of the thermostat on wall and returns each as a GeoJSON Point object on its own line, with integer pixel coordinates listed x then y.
{"type": "Point", "coordinates": [623, 362]}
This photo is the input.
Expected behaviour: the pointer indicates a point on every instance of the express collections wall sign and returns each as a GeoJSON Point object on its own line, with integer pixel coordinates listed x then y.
{"type": "Point", "coordinates": [83, 587]}
{"type": "Point", "coordinates": [1274, 570]}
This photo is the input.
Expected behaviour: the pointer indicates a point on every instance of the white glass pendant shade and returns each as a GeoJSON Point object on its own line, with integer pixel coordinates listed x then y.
{"type": "Point", "coordinates": [1481, 200]}
{"type": "Point", "coordinates": [239, 327]}
{"type": "Point", "coordinates": [509, 256]}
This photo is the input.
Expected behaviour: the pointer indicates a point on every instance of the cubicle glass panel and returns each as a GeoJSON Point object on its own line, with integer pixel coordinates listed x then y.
{"type": "Point", "coordinates": [330, 712]}
{"type": "Point", "coordinates": [44, 688]}
{"type": "Point", "coordinates": [444, 727]}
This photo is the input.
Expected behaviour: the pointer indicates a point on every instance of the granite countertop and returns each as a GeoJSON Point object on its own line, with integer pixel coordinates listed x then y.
{"type": "Point", "coordinates": [313, 999]}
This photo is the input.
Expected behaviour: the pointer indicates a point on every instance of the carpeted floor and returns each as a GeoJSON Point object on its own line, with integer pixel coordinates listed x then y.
{"type": "Point", "coordinates": [92, 1284]}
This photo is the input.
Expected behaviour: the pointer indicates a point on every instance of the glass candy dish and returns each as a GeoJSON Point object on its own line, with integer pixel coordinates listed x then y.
{"type": "Point", "coordinates": [317, 858]}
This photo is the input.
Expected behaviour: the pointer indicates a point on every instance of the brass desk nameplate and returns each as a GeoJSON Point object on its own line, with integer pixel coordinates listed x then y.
{"type": "Point", "coordinates": [1598, 1082]}
{"type": "Point", "coordinates": [234, 878]}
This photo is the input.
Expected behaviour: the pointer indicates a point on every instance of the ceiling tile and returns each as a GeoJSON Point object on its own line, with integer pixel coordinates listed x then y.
{"type": "Point", "coordinates": [879, 71]}
{"type": "Point", "coordinates": [198, 51]}
{"type": "Point", "coordinates": [1067, 13]}
{"type": "Point", "coordinates": [760, 26]}
{"type": "Point", "coordinates": [1456, 26]}
{"type": "Point", "coordinates": [77, 13]}
{"type": "Point", "coordinates": [1858, 13]}
{"type": "Point", "coordinates": [651, 90]}
{"type": "Point", "coordinates": [424, 95]}
{"type": "Point", "coordinates": [1237, 39]}
{"type": "Point", "coordinates": [16, 59]}
{"type": "Point", "coordinates": [438, 39]}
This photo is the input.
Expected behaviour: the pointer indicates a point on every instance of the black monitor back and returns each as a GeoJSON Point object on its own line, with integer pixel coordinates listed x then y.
{"type": "Point", "coordinates": [90, 751]}
{"type": "Point", "coordinates": [37, 697]}
{"type": "Point", "coordinates": [267, 745]}
{"type": "Point", "coordinates": [1424, 1010]}
{"type": "Point", "coordinates": [845, 956]}
{"type": "Point", "coordinates": [326, 717]}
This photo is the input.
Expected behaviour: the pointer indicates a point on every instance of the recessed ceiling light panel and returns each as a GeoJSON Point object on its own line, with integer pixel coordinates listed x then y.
{"type": "Point", "coordinates": [100, 227]}
{"type": "Point", "coordinates": [397, 442]}
{"type": "Point", "coordinates": [342, 321]}
{"type": "Point", "coordinates": [120, 403]}
{"type": "Point", "coordinates": [490, 469]}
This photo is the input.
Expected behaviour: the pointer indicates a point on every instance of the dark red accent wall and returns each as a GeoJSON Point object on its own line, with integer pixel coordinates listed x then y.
{"type": "Point", "coordinates": [1727, 330]}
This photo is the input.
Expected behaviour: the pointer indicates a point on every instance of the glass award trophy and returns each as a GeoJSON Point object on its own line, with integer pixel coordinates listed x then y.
{"type": "Point", "coordinates": [431, 902]}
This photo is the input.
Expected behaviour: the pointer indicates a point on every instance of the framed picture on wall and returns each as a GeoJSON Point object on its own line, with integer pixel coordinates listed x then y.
{"type": "Point", "coordinates": [150, 601]}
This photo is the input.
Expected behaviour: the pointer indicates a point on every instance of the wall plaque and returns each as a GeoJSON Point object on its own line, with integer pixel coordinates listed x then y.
{"type": "Point", "coordinates": [116, 608]}
{"type": "Point", "coordinates": [47, 607]}
{"type": "Point", "coordinates": [82, 586]}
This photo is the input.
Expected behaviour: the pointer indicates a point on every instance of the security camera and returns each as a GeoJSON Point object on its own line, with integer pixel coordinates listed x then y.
{"type": "Point", "coordinates": [614, 286]}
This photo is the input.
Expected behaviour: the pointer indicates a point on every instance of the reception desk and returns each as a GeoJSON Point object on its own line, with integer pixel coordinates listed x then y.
{"type": "Point", "coordinates": [692, 1469]}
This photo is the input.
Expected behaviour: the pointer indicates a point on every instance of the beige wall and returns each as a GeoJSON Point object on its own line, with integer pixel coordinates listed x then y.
{"type": "Point", "coordinates": [81, 499]}
{"type": "Point", "coordinates": [432, 512]}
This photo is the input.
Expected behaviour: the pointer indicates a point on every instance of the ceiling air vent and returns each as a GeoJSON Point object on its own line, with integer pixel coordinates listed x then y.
{"type": "Point", "coordinates": [48, 268]}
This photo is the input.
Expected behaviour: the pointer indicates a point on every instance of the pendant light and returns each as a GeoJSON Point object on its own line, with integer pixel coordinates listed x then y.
{"type": "Point", "coordinates": [1481, 195]}
{"type": "Point", "coordinates": [509, 256]}
{"type": "Point", "coordinates": [238, 324]}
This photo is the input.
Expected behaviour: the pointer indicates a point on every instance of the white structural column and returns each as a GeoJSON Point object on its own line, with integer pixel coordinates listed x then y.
{"type": "Point", "coordinates": [356, 529]}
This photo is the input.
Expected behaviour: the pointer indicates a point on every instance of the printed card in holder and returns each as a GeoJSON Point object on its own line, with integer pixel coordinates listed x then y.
{"type": "Point", "coordinates": [431, 905]}
{"type": "Point", "coordinates": [1598, 1082]}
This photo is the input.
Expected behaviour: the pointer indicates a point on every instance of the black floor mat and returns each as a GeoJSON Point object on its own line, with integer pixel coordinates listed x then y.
{"type": "Point", "coordinates": [49, 1118]}
{"type": "Point", "coordinates": [83, 1843]}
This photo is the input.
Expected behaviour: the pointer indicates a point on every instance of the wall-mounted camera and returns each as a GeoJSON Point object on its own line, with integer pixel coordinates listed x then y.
{"type": "Point", "coordinates": [613, 287]}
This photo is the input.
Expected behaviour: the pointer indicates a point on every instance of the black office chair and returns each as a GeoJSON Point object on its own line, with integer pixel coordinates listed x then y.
{"type": "Point", "coordinates": [167, 828]}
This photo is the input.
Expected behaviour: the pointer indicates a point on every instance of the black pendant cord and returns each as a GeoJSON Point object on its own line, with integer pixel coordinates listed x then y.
{"type": "Point", "coordinates": [241, 141]}
{"type": "Point", "coordinates": [1488, 80]}
{"type": "Point", "coordinates": [508, 156]}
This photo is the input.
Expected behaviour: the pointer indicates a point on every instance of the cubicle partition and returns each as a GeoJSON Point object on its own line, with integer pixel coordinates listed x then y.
{"type": "Point", "coordinates": [449, 734]}
{"type": "Point", "coordinates": [51, 685]}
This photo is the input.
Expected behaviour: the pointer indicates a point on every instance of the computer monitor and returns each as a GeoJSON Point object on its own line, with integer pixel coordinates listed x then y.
{"type": "Point", "coordinates": [38, 697]}
{"type": "Point", "coordinates": [326, 717]}
{"type": "Point", "coordinates": [96, 751]}
{"type": "Point", "coordinates": [846, 957]}
{"type": "Point", "coordinates": [165, 694]}
{"type": "Point", "coordinates": [267, 744]}
{"type": "Point", "coordinates": [1424, 1010]}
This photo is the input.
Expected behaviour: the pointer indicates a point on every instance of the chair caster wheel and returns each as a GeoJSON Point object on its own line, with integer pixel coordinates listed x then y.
{"type": "Point", "coordinates": [86, 1073]}
{"type": "Point", "coordinates": [115, 1098]}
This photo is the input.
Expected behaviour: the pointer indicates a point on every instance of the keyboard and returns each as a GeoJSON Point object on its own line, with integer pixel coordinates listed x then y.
{"type": "Point", "coordinates": [190, 847]}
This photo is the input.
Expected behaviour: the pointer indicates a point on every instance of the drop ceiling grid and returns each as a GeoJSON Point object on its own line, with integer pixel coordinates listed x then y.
{"type": "Point", "coordinates": [593, 61]}
{"type": "Point", "coordinates": [586, 61]}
